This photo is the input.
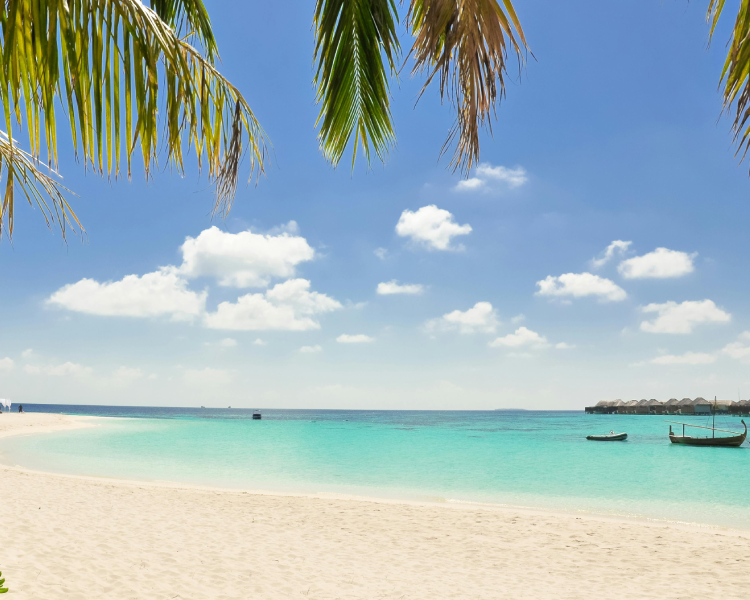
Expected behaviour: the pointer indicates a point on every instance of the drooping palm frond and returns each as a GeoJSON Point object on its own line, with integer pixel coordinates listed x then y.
{"type": "Point", "coordinates": [188, 17]}
{"type": "Point", "coordinates": [735, 76]}
{"type": "Point", "coordinates": [21, 170]}
{"type": "Point", "coordinates": [354, 41]}
{"type": "Point", "coordinates": [465, 44]}
{"type": "Point", "coordinates": [121, 72]}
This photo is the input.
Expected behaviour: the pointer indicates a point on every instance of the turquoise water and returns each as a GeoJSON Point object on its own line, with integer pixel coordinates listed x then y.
{"type": "Point", "coordinates": [537, 459]}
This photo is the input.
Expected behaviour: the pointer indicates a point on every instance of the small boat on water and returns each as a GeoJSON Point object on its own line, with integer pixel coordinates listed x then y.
{"type": "Point", "coordinates": [608, 437]}
{"type": "Point", "coordinates": [731, 441]}
{"type": "Point", "coordinates": [256, 415]}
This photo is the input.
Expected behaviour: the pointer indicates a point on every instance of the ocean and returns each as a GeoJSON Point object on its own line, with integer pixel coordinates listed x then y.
{"type": "Point", "coordinates": [537, 459]}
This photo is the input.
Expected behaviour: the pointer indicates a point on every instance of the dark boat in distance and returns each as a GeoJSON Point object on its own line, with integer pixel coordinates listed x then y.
{"type": "Point", "coordinates": [727, 441]}
{"type": "Point", "coordinates": [609, 437]}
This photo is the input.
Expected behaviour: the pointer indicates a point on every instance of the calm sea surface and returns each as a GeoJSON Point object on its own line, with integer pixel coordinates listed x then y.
{"type": "Point", "coordinates": [537, 459]}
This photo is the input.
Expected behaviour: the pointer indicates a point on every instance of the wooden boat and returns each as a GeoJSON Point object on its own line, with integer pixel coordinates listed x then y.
{"type": "Point", "coordinates": [727, 441]}
{"type": "Point", "coordinates": [609, 437]}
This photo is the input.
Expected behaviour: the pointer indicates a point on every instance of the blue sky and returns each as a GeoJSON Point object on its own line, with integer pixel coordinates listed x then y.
{"type": "Point", "coordinates": [611, 134]}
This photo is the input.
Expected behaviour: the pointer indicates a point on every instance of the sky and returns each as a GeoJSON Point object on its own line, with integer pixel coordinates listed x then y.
{"type": "Point", "coordinates": [597, 252]}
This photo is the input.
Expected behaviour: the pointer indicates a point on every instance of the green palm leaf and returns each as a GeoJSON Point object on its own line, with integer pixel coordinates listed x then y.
{"type": "Point", "coordinates": [103, 58]}
{"type": "Point", "coordinates": [735, 75]}
{"type": "Point", "coordinates": [355, 39]}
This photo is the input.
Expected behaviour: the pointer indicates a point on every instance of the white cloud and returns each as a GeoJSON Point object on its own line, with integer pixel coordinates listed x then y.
{"type": "Point", "coordinates": [518, 319]}
{"type": "Point", "coordinates": [564, 346]}
{"type": "Point", "coordinates": [480, 318]}
{"type": "Point", "coordinates": [394, 287]}
{"type": "Point", "coordinates": [381, 253]}
{"type": "Point", "coordinates": [521, 337]}
{"type": "Point", "coordinates": [359, 338]}
{"type": "Point", "coordinates": [486, 175]}
{"type": "Point", "coordinates": [662, 263]}
{"type": "Point", "coordinates": [471, 184]}
{"type": "Point", "coordinates": [162, 293]}
{"type": "Point", "coordinates": [28, 353]}
{"type": "Point", "coordinates": [681, 318]}
{"type": "Point", "coordinates": [225, 343]}
{"type": "Point", "coordinates": [7, 364]}
{"type": "Point", "coordinates": [431, 226]}
{"type": "Point", "coordinates": [578, 285]}
{"type": "Point", "coordinates": [513, 177]}
{"type": "Point", "coordinates": [739, 350]}
{"type": "Point", "coordinates": [618, 246]}
{"type": "Point", "coordinates": [206, 376]}
{"type": "Point", "coordinates": [244, 259]}
{"type": "Point", "coordinates": [689, 358]}
{"type": "Point", "coordinates": [260, 342]}
{"type": "Point", "coordinates": [311, 349]}
{"type": "Point", "coordinates": [288, 306]}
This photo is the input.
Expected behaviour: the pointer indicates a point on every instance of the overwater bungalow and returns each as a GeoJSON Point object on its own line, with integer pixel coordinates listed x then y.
{"type": "Point", "coordinates": [686, 406]}
{"type": "Point", "coordinates": [671, 406]}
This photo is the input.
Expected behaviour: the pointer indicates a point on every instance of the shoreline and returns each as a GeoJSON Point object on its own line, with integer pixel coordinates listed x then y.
{"type": "Point", "coordinates": [108, 538]}
{"type": "Point", "coordinates": [72, 422]}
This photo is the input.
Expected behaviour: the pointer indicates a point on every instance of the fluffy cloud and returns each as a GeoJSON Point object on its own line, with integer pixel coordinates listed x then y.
{"type": "Point", "coordinates": [260, 342]}
{"type": "Point", "coordinates": [431, 226]}
{"type": "Point", "coordinates": [28, 353]}
{"type": "Point", "coordinates": [311, 349]}
{"type": "Point", "coordinates": [381, 253]}
{"type": "Point", "coordinates": [244, 259]}
{"type": "Point", "coordinates": [359, 338]}
{"type": "Point", "coordinates": [480, 318]}
{"type": "Point", "coordinates": [7, 364]}
{"type": "Point", "coordinates": [618, 246]}
{"type": "Point", "coordinates": [487, 175]}
{"type": "Point", "coordinates": [689, 358]}
{"type": "Point", "coordinates": [289, 306]}
{"type": "Point", "coordinates": [394, 287]}
{"type": "Point", "coordinates": [739, 350]}
{"type": "Point", "coordinates": [662, 263]}
{"type": "Point", "coordinates": [162, 293]}
{"type": "Point", "coordinates": [521, 337]}
{"type": "Point", "coordinates": [578, 285]}
{"type": "Point", "coordinates": [682, 318]}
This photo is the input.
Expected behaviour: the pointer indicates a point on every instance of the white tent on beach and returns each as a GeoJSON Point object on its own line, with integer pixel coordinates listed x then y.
{"type": "Point", "coordinates": [5, 403]}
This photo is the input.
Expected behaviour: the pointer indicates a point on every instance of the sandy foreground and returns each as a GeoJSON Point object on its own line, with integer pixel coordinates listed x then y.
{"type": "Point", "coordinates": [73, 537]}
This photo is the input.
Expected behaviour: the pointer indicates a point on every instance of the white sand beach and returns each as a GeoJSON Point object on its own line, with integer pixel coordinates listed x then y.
{"type": "Point", "coordinates": [74, 537]}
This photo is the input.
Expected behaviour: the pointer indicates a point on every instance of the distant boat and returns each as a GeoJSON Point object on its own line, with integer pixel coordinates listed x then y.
{"type": "Point", "coordinates": [256, 415]}
{"type": "Point", "coordinates": [608, 437]}
{"type": "Point", "coordinates": [727, 441]}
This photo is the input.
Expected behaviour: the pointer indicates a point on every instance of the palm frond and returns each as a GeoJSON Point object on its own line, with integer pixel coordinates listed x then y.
{"type": "Point", "coordinates": [354, 41]}
{"type": "Point", "coordinates": [109, 59]}
{"type": "Point", "coordinates": [188, 17]}
{"type": "Point", "coordinates": [735, 75]}
{"type": "Point", "coordinates": [465, 44]}
{"type": "Point", "coordinates": [18, 169]}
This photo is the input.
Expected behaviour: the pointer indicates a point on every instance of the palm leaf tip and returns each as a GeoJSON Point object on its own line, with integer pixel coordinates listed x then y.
{"type": "Point", "coordinates": [735, 74]}
{"type": "Point", "coordinates": [356, 51]}
{"type": "Point", "coordinates": [465, 44]}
